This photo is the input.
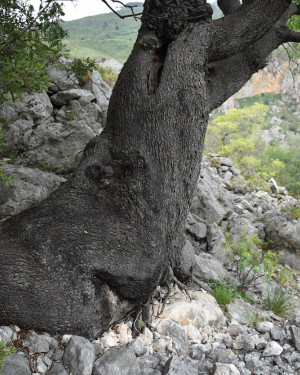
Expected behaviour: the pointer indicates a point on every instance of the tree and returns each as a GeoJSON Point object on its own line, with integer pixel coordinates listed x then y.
{"type": "Point", "coordinates": [94, 251]}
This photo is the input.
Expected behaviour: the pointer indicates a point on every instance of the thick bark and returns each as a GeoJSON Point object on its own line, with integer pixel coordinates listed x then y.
{"type": "Point", "coordinates": [94, 251]}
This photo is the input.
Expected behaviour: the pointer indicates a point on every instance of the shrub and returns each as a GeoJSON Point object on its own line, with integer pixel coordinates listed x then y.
{"type": "Point", "coordinates": [279, 302]}
{"type": "Point", "coordinates": [5, 351]}
{"type": "Point", "coordinates": [82, 68]}
{"type": "Point", "coordinates": [251, 265]}
{"type": "Point", "coordinates": [223, 295]}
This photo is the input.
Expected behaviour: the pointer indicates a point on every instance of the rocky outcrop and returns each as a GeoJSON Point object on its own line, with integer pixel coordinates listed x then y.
{"type": "Point", "coordinates": [51, 129]}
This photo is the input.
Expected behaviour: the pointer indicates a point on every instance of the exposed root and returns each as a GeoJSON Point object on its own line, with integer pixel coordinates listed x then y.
{"type": "Point", "coordinates": [181, 286]}
{"type": "Point", "coordinates": [202, 285]}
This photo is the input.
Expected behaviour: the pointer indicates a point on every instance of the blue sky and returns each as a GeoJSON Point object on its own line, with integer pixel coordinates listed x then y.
{"type": "Point", "coordinates": [82, 8]}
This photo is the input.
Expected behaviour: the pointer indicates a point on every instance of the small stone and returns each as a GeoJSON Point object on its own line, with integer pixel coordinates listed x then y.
{"type": "Point", "coordinates": [277, 334]}
{"type": "Point", "coordinates": [57, 369]}
{"type": "Point", "coordinates": [79, 356]}
{"type": "Point", "coordinates": [65, 339]}
{"type": "Point", "coordinates": [147, 336]}
{"type": "Point", "coordinates": [138, 347]}
{"type": "Point", "coordinates": [47, 361]}
{"type": "Point", "coordinates": [234, 330]}
{"type": "Point", "coordinates": [41, 366]}
{"type": "Point", "coordinates": [295, 334]}
{"type": "Point", "coordinates": [272, 348]}
{"type": "Point", "coordinates": [58, 354]}
{"type": "Point", "coordinates": [244, 342]}
{"type": "Point", "coordinates": [264, 327]}
{"type": "Point", "coordinates": [36, 343]}
{"type": "Point", "coordinates": [226, 369]}
{"type": "Point", "coordinates": [6, 334]}
{"type": "Point", "coordinates": [98, 347]}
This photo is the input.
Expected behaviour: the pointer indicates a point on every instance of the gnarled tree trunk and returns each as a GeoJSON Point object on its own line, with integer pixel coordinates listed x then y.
{"type": "Point", "coordinates": [94, 251]}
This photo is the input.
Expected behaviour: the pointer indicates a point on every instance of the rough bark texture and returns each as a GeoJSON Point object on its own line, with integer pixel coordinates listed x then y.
{"type": "Point", "coordinates": [95, 250]}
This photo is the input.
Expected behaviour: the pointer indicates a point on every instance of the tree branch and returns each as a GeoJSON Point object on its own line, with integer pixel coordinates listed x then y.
{"type": "Point", "coordinates": [228, 6]}
{"type": "Point", "coordinates": [291, 36]}
{"type": "Point", "coordinates": [238, 30]}
{"type": "Point", "coordinates": [229, 75]}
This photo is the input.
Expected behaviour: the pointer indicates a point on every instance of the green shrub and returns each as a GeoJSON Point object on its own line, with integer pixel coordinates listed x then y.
{"type": "Point", "coordinates": [5, 351]}
{"type": "Point", "coordinates": [251, 265]}
{"type": "Point", "coordinates": [279, 302]}
{"type": "Point", "coordinates": [82, 68]}
{"type": "Point", "coordinates": [223, 295]}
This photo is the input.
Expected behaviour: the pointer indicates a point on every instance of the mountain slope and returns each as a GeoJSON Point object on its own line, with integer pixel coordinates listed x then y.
{"type": "Point", "coordinates": [106, 36]}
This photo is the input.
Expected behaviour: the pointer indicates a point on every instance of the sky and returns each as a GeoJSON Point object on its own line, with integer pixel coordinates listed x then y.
{"type": "Point", "coordinates": [83, 8]}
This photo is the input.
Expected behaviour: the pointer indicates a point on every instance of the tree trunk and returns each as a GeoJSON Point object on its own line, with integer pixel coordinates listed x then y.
{"type": "Point", "coordinates": [94, 251]}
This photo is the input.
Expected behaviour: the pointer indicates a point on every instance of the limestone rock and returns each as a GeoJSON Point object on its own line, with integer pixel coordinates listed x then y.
{"type": "Point", "coordinates": [295, 333]}
{"type": "Point", "coordinates": [168, 327]}
{"type": "Point", "coordinates": [272, 348]}
{"type": "Point", "coordinates": [6, 334]}
{"type": "Point", "coordinates": [79, 356]}
{"type": "Point", "coordinates": [16, 364]}
{"type": "Point", "coordinates": [99, 89]}
{"type": "Point", "coordinates": [121, 361]}
{"type": "Point", "coordinates": [202, 310]}
{"type": "Point", "coordinates": [226, 369]}
{"type": "Point", "coordinates": [36, 343]}
{"type": "Point", "coordinates": [29, 187]}
{"type": "Point", "coordinates": [64, 97]}
{"type": "Point", "coordinates": [176, 366]}
{"type": "Point", "coordinates": [207, 267]}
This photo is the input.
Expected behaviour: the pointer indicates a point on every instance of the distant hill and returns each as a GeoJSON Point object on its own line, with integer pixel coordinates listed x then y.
{"type": "Point", "coordinates": [106, 36]}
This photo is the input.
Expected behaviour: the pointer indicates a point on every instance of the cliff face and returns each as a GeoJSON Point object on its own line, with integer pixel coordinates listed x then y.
{"type": "Point", "coordinates": [279, 77]}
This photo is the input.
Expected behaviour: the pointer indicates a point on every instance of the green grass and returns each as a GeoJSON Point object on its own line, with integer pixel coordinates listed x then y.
{"type": "Point", "coordinates": [279, 302]}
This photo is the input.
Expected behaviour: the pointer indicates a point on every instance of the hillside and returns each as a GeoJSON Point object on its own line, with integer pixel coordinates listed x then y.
{"type": "Point", "coordinates": [105, 36]}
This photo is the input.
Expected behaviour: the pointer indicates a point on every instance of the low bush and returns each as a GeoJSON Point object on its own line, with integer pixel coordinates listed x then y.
{"type": "Point", "coordinates": [279, 302]}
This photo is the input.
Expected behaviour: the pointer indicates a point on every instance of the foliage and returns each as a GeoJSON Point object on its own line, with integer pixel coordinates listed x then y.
{"type": "Point", "coordinates": [108, 75]}
{"type": "Point", "coordinates": [251, 265]}
{"type": "Point", "coordinates": [279, 302]}
{"type": "Point", "coordinates": [28, 43]}
{"type": "Point", "coordinates": [289, 154]}
{"type": "Point", "coordinates": [5, 351]}
{"type": "Point", "coordinates": [223, 295]}
{"type": "Point", "coordinates": [237, 134]}
{"type": "Point", "coordinates": [82, 68]}
{"type": "Point", "coordinates": [254, 318]}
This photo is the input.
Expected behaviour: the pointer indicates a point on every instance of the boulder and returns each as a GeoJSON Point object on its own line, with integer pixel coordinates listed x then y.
{"type": "Point", "coordinates": [16, 364]}
{"type": "Point", "coordinates": [79, 356]}
{"type": "Point", "coordinates": [61, 78]}
{"type": "Point", "coordinates": [99, 89]}
{"type": "Point", "coordinates": [64, 97]}
{"type": "Point", "coordinates": [29, 187]}
{"type": "Point", "coordinates": [121, 361]}
{"type": "Point", "coordinates": [285, 235]}
{"type": "Point", "coordinates": [202, 310]}
{"type": "Point", "coordinates": [207, 267]}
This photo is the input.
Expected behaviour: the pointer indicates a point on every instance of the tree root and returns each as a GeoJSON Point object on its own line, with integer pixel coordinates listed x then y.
{"type": "Point", "coordinates": [200, 283]}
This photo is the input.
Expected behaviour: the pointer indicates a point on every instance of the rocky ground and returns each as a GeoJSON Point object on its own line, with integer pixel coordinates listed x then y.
{"type": "Point", "coordinates": [192, 335]}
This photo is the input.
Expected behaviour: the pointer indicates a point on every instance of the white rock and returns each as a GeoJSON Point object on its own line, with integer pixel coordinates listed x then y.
{"type": "Point", "coordinates": [147, 337]}
{"type": "Point", "coordinates": [192, 332]}
{"type": "Point", "coordinates": [272, 348]}
{"type": "Point", "coordinates": [202, 310]}
{"type": "Point", "coordinates": [226, 369]}
{"type": "Point", "coordinates": [65, 339]}
{"type": "Point", "coordinates": [264, 327]}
